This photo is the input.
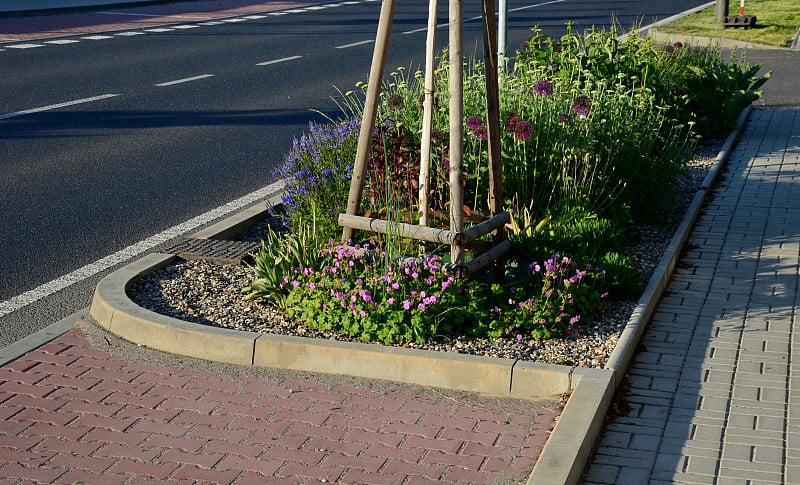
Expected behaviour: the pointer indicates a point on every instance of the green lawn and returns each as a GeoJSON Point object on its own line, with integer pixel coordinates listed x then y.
{"type": "Point", "coordinates": [776, 25]}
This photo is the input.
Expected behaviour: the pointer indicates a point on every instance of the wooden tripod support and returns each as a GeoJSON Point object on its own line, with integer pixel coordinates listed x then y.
{"type": "Point", "coordinates": [456, 237]}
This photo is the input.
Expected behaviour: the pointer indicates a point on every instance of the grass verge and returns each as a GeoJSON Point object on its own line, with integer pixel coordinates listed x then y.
{"type": "Point", "coordinates": [776, 25]}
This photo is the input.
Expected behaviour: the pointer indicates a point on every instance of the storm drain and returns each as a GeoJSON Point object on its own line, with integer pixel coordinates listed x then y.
{"type": "Point", "coordinates": [214, 250]}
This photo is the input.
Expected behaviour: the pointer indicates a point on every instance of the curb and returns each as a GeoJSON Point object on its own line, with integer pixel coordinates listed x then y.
{"type": "Point", "coordinates": [571, 443]}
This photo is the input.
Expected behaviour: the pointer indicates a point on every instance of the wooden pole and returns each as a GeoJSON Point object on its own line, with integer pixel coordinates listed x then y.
{"type": "Point", "coordinates": [427, 114]}
{"type": "Point", "coordinates": [370, 111]}
{"type": "Point", "coordinates": [456, 128]}
{"type": "Point", "coordinates": [493, 121]}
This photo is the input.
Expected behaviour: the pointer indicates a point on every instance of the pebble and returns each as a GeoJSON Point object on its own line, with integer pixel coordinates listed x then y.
{"type": "Point", "coordinates": [211, 294]}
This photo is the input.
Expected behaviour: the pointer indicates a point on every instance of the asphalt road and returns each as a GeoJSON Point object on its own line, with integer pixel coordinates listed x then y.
{"type": "Point", "coordinates": [112, 140]}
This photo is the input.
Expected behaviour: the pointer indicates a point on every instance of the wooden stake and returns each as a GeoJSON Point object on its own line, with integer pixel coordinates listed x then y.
{"type": "Point", "coordinates": [456, 61]}
{"type": "Point", "coordinates": [427, 114]}
{"type": "Point", "coordinates": [370, 111]}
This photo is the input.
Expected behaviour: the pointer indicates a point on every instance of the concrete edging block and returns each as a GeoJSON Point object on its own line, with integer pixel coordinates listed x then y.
{"type": "Point", "coordinates": [114, 311]}
{"type": "Point", "coordinates": [571, 443]}
{"type": "Point", "coordinates": [443, 370]}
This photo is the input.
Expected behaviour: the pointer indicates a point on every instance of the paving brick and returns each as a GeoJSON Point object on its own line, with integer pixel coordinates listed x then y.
{"type": "Point", "coordinates": [204, 475]}
{"type": "Point", "coordinates": [132, 467]}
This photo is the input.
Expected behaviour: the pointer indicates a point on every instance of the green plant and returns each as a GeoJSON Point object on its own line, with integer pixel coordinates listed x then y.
{"type": "Point", "coordinates": [723, 91]}
{"type": "Point", "coordinates": [280, 256]}
{"type": "Point", "coordinates": [621, 278]}
{"type": "Point", "coordinates": [560, 295]}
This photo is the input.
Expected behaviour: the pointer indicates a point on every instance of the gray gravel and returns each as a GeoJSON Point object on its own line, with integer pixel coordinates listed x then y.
{"type": "Point", "coordinates": [210, 294]}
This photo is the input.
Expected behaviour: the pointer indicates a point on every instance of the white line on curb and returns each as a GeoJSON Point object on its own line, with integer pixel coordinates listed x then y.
{"type": "Point", "coordinates": [56, 106]}
{"type": "Point", "coordinates": [184, 80]}
{"type": "Point", "coordinates": [91, 269]}
{"type": "Point", "coordinates": [266, 63]}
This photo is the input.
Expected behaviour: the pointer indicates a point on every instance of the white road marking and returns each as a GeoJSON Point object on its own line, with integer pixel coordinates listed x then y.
{"type": "Point", "coordinates": [255, 17]}
{"type": "Point", "coordinates": [184, 80]}
{"type": "Point", "coordinates": [211, 23]}
{"type": "Point", "coordinates": [61, 41]}
{"type": "Point", "coordinates": [278, 60]}
{"type": "Point", "coordinates": [158, 31]}
{"type": "Point", "coordinates": [354, 44]}
{"type": "Point", "coordinates": [129, 34]}
{"type": "Point", "coordinates": [97, 37]}
{"type": "Point", "coordinates": [15, 303]}
{"type": "Point", "coordinates": [130, 14]}
{"type": "Point", "coordinates": [233, 20]}
{"type": "Point", "coordinates": [526, 7]}
{"type": "Point", "coordinates": [24, 46]}
{"type": "Point", "coordinates": [297, 10]}
{"type": "Point", "coordinates": [56, 106]}
{"type": "Point", "coordinates": [317, 7]}
{"type": "Point", "coordinates": [187, 26]}
{"type": "Point", "coordinates": [277, 13]}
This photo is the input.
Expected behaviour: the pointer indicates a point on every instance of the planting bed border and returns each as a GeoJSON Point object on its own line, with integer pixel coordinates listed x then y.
{"type": "Point", "coordinates": [570, 445]}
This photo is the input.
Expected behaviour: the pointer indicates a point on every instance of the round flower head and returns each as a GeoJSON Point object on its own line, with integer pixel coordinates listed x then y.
{"type": "Point", "coordinates": [582, 105]}
{"type": "Point", "coordinates": [543, 87]}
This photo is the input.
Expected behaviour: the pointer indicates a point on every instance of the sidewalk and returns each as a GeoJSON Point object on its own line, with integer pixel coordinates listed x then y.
{"type": "Point", "coordinates": [714, 392]}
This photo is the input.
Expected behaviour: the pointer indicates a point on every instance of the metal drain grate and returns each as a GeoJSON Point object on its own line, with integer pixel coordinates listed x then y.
{"type": "Point", "coordinates": [214, 250]}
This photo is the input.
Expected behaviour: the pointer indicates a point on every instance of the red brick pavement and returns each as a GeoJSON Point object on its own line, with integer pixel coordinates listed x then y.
{"type": "Point", "coordinates": [72, 413]}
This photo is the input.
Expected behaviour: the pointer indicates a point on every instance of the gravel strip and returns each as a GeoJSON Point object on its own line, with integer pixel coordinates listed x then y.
{"type": "Point", "coordinates": [210, 294]}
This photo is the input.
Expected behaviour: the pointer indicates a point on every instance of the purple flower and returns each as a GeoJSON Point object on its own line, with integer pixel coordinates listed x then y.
{"type": "Point", "coordinates": [543, 87]}
{"type": "Point", "coordinates": [395, 102]}
{"type": "Point", "coordinates": [406, 304]}
{"type": "Point", "coordinates": [480, 133]}
{"type": "Point", "coordinates": [582, 105]}
{"type": "Point", "coordinates": [474, 122]}
{"type": "Point", "coordinates": [564, 118]}
{"type": "Point", "coordinates": [524, 131]}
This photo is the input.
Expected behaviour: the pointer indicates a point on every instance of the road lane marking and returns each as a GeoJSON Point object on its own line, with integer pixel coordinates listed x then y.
{"type": "Point", "coordinates": [24, 46]}
{"type": "Point", "coordinates": [186, 26]}
{"type": "Point", "coordinates": [211, 23]}
{"type": "Point", "coordinates": [275, 61]}
{"type": "Point", "coordinates": [277, 13]}
{"type": "Point", "coordinates": [130, 14]}
{"type": "Point", "coordinates": [354, 44]}
{"type": "Point", "coordinates": [184, 80]}
{"type": "Point", "coordinates": [255, 17]}
{"type": "Point", "coordinates": [130, 33]}
{"type": "Point", "coordinates": [158, 31]}
{"type": "Point", "coordinates": [97, 37]}
{"type": "Point", "coordinates": [61, 41]}
{"type": "Point", "coordinates": [56, 106]}
{"type": "Point", "coordinates": [32, 296]}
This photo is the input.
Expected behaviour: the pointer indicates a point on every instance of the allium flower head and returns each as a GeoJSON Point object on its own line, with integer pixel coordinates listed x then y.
{"type": "Point", "coordinates": [582, 105]}
{"type": "Point", "coordinates": [543, 87]}
{"type": "Point", "coordinates": [474, 122]}
{"type": "Point", "coordinates": [564, 118]}
{"type": "Point", "coordinates": [395, 102]}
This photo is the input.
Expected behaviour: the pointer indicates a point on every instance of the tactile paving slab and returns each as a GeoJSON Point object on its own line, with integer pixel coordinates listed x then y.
{"type": "Point", "coordinates": [214, 250]}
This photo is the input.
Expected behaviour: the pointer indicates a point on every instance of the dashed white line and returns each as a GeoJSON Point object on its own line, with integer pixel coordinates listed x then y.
{"type": "Point", "coordinates": [187, 26]}
{"type": "Point", "coordinates": [184, 80]}
{"type": "Point", "coordinates": [129, 34]}
{"type": "Point", "coordinates": [61, 41]}
{"type": "Point", "coordinates": [97, 37]}
{"type": "Point", "coordinates": [317, 7]}
{"type": "Point", "coordinates": [277, 13]}
{"type": "Point", "coordinates": [275, 61]}
{"type": "Point", "coordinates": [233, 20]}
{"type": "Point", "coordinates": [211, 23]}
{"type": "Point", "coordinates": [158, 31]}
{"type": "Point", "coordinates": [354, 44]}
{"type": "Point", "coordinates": [255, 17]}
{"type": "Point", "coordinates": [134, 250]}
{"type": "Point", "coordinates": [25, 46]}
{"type": "Point", "coordinates": [56, 106]}
{"type": "Point", "coordinates": [297, 10]}
{"type": "Point", "coordinates": [130, 14]}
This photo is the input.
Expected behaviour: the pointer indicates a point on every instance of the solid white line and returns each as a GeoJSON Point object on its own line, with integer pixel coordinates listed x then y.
{"type": "Point", "coordinates": [278, 60]}
{"type": "Point", "coordinates": [184, 80]}
{"type": "Point", "coordinates": [15, 303]}
{"type": "Point", "coordinates": [354, 44]}
{"type": "Point", "coordinates": [56, 106]}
